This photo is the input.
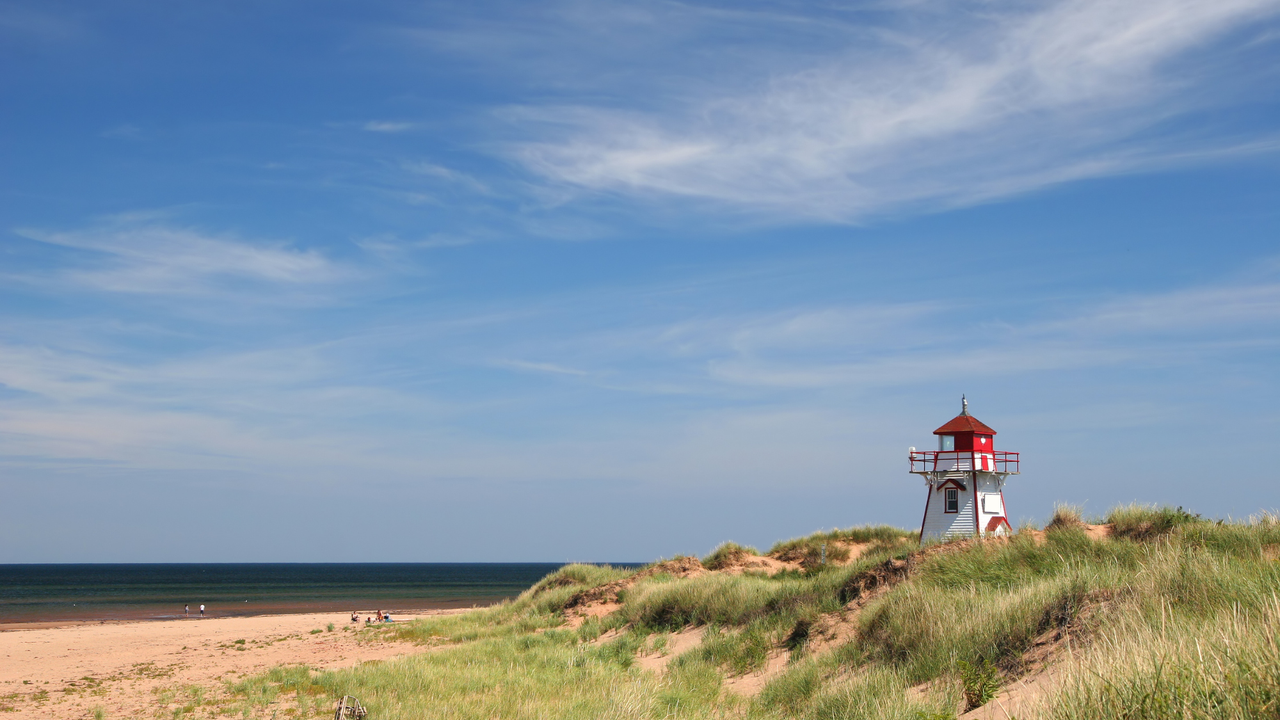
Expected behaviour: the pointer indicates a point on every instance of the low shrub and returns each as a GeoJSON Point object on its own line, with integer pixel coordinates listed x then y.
{"type": "Point", "coordinates": [980, 680]}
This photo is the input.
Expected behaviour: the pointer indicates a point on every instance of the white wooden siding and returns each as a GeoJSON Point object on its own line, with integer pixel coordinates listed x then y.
{"type": "Point", "coordinates": [940, 524]}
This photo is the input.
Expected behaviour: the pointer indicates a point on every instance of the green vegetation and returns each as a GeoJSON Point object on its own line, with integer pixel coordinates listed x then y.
{"type": "Point", "coordinates": [834, 544]}
{"type": "Point", "coordinates": [1066, 517]}
{"type": "Point", "coordinates": [1141, 522]}
{"type": "Point", "coordinates": [1173, 616]}
{"type": "Point", "coordinates": [725, 554]}
{"type": "Point", "coordinates": [980, 681]}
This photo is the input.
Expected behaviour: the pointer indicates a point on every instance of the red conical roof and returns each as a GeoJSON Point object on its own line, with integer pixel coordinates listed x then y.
{"type": "Point", "coordinates": [964, 422]}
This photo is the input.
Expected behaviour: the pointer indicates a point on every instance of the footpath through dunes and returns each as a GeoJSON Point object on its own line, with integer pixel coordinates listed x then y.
{"type": "Point", "coordinates": [1149, 613]}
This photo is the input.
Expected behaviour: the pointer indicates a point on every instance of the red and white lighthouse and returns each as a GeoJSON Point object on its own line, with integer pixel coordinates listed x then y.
{"type": "Point", "coordinates": [966, 477]}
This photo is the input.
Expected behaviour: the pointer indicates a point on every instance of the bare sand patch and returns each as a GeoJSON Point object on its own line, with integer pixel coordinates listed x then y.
{"type": "Point", "coordinates": [1099, 532]}
{"type": "Point", "coordinates": [762, 564]}
{"type": "Point", "coordinates": [678, 643]}
{"type": "Point", "coordinates": [753, 682]}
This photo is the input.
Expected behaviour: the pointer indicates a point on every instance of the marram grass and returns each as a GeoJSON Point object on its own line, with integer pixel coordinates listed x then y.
{"type": "Point", "coordinates": [1176, 617]}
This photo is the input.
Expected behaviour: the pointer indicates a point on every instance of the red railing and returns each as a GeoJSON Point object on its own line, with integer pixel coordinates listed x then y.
{"type": "Point", "coordinates": [948, 461]}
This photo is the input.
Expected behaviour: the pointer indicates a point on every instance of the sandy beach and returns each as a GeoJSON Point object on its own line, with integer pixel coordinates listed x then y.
{"type": "Point", "coordinates": [151, 668]}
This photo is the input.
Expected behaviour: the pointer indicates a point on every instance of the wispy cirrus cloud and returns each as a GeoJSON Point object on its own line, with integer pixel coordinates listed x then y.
{"type": "Point", "coordinates": [386, 126]}
{"type": "Point", "coordinates": [874, 346]}
{"type": "Point", "coordinates": [141, 255]}
{"type": "Point", "coordinates": [1179, 327]}
{"type": "Point", "coordinates": [372, 394]}
{"type": "Point", "coordinates": [126, 131]}
{"type": "Point", "coordinates": [940, 106]}
{"type": "Point", "coordinates": [540, 367]}
{"type": "Point", "coordinates": [56, 27]}
{"type": "Point", "coordinates": [430, 169]}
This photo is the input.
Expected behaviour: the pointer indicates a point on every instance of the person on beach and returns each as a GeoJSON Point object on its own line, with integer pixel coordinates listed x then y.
{"type": "Point", "coordinates": [186, 611]}
{"type": "Point", "coordinates": [379, 616]}
{"type": "Point", "coordinates": [201, 611]}
{"type": "Point", "coordinates": [355, 617]}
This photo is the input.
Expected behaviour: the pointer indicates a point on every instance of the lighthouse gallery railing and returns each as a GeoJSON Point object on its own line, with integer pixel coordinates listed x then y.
{"type": "Point", "coordinates": [927, 461]}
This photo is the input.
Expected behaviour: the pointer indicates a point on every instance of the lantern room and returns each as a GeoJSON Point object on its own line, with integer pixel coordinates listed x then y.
{"type": "Point", "coordinates": [965, 433]}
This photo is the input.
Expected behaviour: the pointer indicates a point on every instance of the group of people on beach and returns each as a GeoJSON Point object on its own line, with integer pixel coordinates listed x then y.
{"type": "Point", "coordinates": [355, 616]}
{"type": "Point", "coordinates": [381, 617]}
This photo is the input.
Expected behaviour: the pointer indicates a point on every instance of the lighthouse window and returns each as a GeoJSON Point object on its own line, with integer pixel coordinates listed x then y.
{"type": "Point", "coordinates": [952, 496]}
{"type": "Point", "coordinates": [947, 443]}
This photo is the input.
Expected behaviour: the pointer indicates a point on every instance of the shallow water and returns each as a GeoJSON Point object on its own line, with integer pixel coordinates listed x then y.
{"type": "Point", "coordinates": [36, 593]}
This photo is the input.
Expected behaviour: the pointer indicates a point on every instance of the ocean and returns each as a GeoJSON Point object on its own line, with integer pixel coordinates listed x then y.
{"type": "Point", "coordinates": [41, 593]}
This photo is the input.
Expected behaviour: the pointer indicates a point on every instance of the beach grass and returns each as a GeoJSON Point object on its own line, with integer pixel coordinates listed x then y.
{"type": "Point", "coordinates": [833, 545]}
{"type": "Point", "coordinates": [727, 553]}
{"type": "Point", "coordinates": [1171, 616]}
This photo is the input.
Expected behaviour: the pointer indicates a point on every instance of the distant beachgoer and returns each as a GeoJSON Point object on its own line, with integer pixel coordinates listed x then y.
{"type": "Point", "coordinates": [201, 611]}
{"type": "Point", "coordinates": [367, 620]}
{"type": "Point", "coordinates": [355, 617]}
{"type": "Point", "coordinates": [379, 616]}
{"type": "Point", "coordinates": [386, 617]}
{"type": "Point", "coordinates": [186, 610]}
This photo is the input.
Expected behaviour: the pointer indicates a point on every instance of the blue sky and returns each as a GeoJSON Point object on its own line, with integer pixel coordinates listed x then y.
{"type": "Point", "coordinates": [609, 281]}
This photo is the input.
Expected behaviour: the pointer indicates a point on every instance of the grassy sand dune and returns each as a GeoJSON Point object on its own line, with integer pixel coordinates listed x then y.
{"type": "Point", "coordinates": [1147, 613]}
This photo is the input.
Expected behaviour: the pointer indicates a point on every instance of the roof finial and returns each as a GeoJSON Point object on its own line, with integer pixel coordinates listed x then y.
{"type": "Point", "coordinates": [964, 405]}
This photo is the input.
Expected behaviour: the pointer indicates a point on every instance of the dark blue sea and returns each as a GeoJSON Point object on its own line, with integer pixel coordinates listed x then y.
{"type": "Point", "coordinates": [36, 593]}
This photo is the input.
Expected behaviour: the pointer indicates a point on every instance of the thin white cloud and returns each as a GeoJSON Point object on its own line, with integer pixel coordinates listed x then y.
{"type": "Point", "coordinates": [369, 398]}
{"type": "Point", "coordinates": [382, 126]}
{"type": "Point", "coordinates": [998, 104]}
{"type": "Point", "coordinates": [886, 345]}
{"type": "Point", "coordinates": [541, 367]}
{"type": "Point", "coordinates": [1143, 330]}
{"type": "Point", "coordinates": [26, 23]}
{"type": "Point", "coordinates": [134, 255]}
{"type": "Point", "coordinates": [392, 249]}
{"type": "Point", "coordinates": [430, 169]}
{"type": "Point", "coordinates": [1196, 310]}
{"type": "Point", "coordinates": [126, 130]}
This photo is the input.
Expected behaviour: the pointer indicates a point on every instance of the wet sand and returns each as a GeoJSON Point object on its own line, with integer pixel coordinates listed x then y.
{"type": "Point", "coordinates": [90, 615]}
{"type": "Point", "coordinates": [151, 668]}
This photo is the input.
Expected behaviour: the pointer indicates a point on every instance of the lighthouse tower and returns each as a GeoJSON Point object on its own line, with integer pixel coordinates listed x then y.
{"type": "Point", "coordinates": [966, 478]}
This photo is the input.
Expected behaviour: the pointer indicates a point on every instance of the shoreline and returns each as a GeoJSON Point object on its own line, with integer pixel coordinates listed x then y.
{"type": "Point", "coordinates": [447, 608]}
{"type": "Point", "coordinates": [43, 595]}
